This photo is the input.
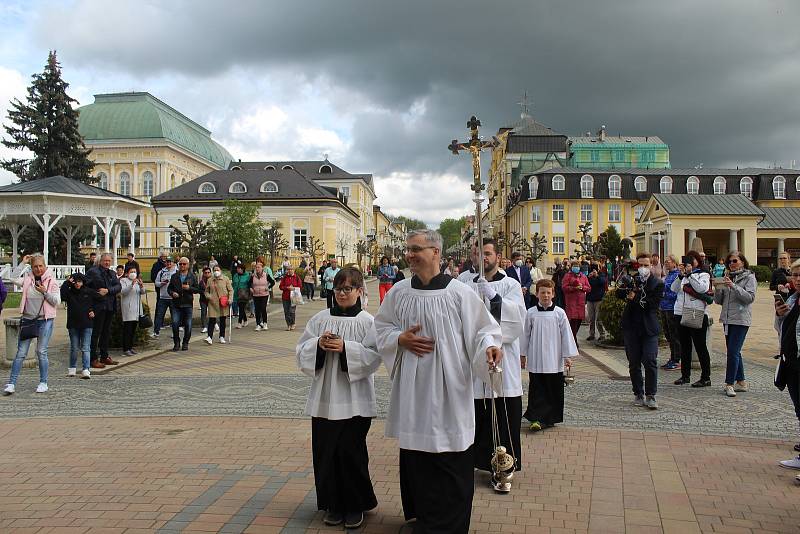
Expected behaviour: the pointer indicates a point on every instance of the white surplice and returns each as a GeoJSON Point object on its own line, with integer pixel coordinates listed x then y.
{"type": "Point", "coordinates": [512, 318]}
{"type": "Point", "coordinates": [547, 340]}
{"type": "Point", "coordinates": [432, 407]}
{"type": "Point", "coordinates": [336, 394]}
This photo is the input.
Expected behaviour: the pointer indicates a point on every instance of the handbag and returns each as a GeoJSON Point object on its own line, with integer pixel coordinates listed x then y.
{"type": "Point", "coordinates": [297, 297]}
{"type": "Point", "coordinates": [692, 318]}
{"type": "Point", "coordinates": [29, 328]}
{"type": "Point", "coordinates": [781, 370]}
{"type": "Point", "coordinates": [243, 294]}
{"type": "Point", "coordinates": [144, 318]}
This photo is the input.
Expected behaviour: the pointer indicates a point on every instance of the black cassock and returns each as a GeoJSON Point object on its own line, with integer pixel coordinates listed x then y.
{"type": "Point", "coordinates": [546, 398]}
{"type": "Point", "coordinates": [509, 415]}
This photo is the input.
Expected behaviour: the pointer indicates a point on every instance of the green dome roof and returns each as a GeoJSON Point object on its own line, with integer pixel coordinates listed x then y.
{"type": "Point", "coordinates": [129, 116]}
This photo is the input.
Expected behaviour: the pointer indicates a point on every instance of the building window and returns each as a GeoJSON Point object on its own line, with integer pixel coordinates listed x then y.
{"type": "Point", "coordinates": [269, 168]}
{"type": "Point", "coordinates": [666, 184]}
{"type": "Point", "coordinates": [102, 180]}
{"type": "Point", "coordinates": [325, 169]}
{"type": "Point", "coordinates": [300, 236]}
{"type": "Point", "coordinates": [147, 184]}
{"type": "Point", "coordinates": [238, 188]}
{"type": "Point", "coordinates": [345, 191]}
{"type": "Point", "coordinates": [172, 181]}
{"type": "Point", "coordinates": [692, 185]}
{"type": "Point", "coordinates": [236, 168]}
{"type": "Point", "coordinates": [640, 184]}
{"type": "Point", "coordinates": [614, 186]}
{"type": "Point", "coordinates": [719, 185]}
{"type": "Point", "coordinates": [587, 186]}
{"type": "Point", "coordinates": [536, 214]}
{"type": "Point", "coordinates": [638, 210]}
{"type": "Point", "coordinates": [558, 212]}
{"type": "Point", "coordinates": [746, 187]}
{"type": "Point", "coordinates": [797, 184]}
{"type": "Point", "coordinates": [175, 240]}
{"type": "Point", "coordinates": [287, 168]}
{"type": "Point", "coordinates": [558, 245]}
{"type": "Point", "coordinates": [614, 213]}
{"type": "Point", "coordinates": [558, 182]}
{"type": "Point", "coordinates": [269, 187]}
{"type": "Point", "coordinates": [779, 187]}
{"type": "Point", "coordinates": [125, 184]}
{"type": "Point", "coordinates": [533, 187]}
{"type": "Point", "coordinates": [586, 213]}
{"type": "Point", "coordinates": [206, 188]}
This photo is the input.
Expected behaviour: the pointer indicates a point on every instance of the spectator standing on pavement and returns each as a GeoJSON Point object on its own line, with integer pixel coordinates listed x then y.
{"type": "Point", "coordinates": [719, 269]}
{"type": "Point", "coordinates": [219, 294]}
{"type": "Point", "coordinates": [40, 298]}
{"type": "Point", "coordinates": [120, 271]}
{"type": "Point", "coordinates": [164, 301]}
{"type": "Point", "coordinates": [781, 275]}
{"type": "Point", "coordinates": [242, 294]}
{"type": "Point", "coordinates": [132, 290]}
{"type": "Point", "coordinates": [520, 272]}
{"type": "Point", "coordinates": [92, 261]}
{"type": "Point", "coordinates": [182, 287]}
{"type": "Point", "coordinates": [289, 282]}
{"type": "Point", "coordinates": [155, 269]}
{"type": "Point", "coordinates": [235, 263]}
{"type": "Point", "coordinates": [558, 277]}
{"type": "Point", "coordinates": [640, 329]}
{"type": "Point", "coordinates": [575, 286]}
{"type": "Point", "coordinates": [310, 280]}
{"type": "Point", "coordinates": [133, 264]}
{"type": "Point", "coordinates": [260, 286]}
{"type": "Point", "coordinates": [327, 281]}
{"type": "Point", "coordinates": [786, 324]}
{"type": "Point", "coordinates": [79, 299]}
{"type": "Point", "coordinates": [598, 284]}
{"type": "Point", "coordinates": [386, 274]}
{"type": "Point", "coordinates": [691, 287]}
{"type": "Point", "coordinates": [106, 284]}
{"type": "Point", "coordinates": [670, 323]}
{"type": "Point", "coordinates": [204, 278]}
{"type": "Point", "coordinates": [337, 350]}
{"type": "Point", "coordinates": [735, 296]}
{"type": "Point", "coordinates": [321, 273]}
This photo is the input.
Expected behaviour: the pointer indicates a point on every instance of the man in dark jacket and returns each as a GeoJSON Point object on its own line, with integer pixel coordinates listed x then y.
{"type": "Point", "coordinates": [92, 260]}
{"type": "Point", "coordinates": [780, 276]}
{"type": "Point", "coordinates": [640, 328]}
{"type": "Point", "coordinates": [182, 287]}
{"type": "Point", "coordinates": [598, 282]}
{"type": "Point", "coordinates": [558, 277]}
{"type": "Point", "coordinates": [103, 280]}
{"type": "Point", "coordinates": [156, 268]}
{"type": "Point", "coordinates": [79, 299]}
{"type": "Point", "coordinates": [520, 272]}
{"type": "Point", "coordinates": [235, 263]}
{"type": "Point", "coordinates": [133, 264]}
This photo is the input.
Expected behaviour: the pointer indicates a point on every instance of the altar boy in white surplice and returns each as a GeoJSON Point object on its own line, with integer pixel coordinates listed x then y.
{"type": "Point", "coordinates": [435, 336]}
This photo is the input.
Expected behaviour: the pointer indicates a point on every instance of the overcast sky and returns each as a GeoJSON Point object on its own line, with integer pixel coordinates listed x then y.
{"type": "Point", "coordinates": [382, 87]}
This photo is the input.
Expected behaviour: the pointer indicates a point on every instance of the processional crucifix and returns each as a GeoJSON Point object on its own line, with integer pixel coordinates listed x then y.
{"type": "Point", "coordinates": [474, 146]}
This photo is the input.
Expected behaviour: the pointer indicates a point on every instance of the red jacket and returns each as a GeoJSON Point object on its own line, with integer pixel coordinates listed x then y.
{"type": "Point", "coordinates": [289, 279]}
{"type": "Point", "coordinates": [575, 287]}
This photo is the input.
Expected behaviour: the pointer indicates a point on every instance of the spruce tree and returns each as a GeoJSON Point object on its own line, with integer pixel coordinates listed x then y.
{"type": "Point", "coordinates": [47, 126]}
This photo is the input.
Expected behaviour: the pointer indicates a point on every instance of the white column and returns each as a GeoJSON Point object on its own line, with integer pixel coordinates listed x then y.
{"type": "Point", "coordinates": [68, 234]}
{"type": "Point", "coordinates": [692, 236]}
{"type": "Point", "coordinates": [135, 179]}
{"type": "Point", "coordinates": [781, 247]}
{"type": "Point", "coordinates": [132, 228]}
{"type": "Point", "coordinates": [116, 245]}
{"type": "Point", "coordinates": [16, 230]}
{"type": "Point", "coordinates": [112, 177]}
{"type": "Point", "coordinates": [45, 224]}
{"type": "Point", "coordinates": [733, 240]}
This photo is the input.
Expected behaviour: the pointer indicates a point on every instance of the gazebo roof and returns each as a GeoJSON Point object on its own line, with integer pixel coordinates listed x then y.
{"type": "Point", "coordinates": [61, 185]}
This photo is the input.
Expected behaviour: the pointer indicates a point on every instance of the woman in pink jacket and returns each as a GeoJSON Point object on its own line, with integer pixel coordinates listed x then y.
{"type": "Point", "coordinates": [575, 286]}
{"type": "Point", "coordinates": [40, 296]}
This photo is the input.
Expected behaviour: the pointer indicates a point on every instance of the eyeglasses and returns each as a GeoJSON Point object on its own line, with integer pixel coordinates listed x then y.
{"type": "Point", "coordinates": [346, 290]}
{"type": "Point", "coordinates": [183, 263]}
{"type": "Point", "coordinates": [733, 260]}
{"type": "Point", "coordinates": [416, 249]}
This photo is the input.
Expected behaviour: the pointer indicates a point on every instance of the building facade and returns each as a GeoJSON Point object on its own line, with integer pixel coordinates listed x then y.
{"type": "Point", "coordinates": [603, 151]}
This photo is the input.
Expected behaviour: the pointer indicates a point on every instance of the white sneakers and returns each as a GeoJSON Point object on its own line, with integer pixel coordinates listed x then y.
{"type": "Point", "coordinates": [729, 391]}
{"type": "Point", "coordinates": [41, 388]}
{"type": "Point", "coordinates": [71, 371]}
{"type": "Point", "coordinates": [794, 463]}
{"type": "Point", "coordinates": [239, 326]}
{"type": "Point", "coordinates": [154, 335]}
{"type": "Point", "coordinates": [740, 387]}
{"type": "Point", "coordinates": [265, 326]}
{"type": "Point", "coordinates": [209, 340]}
{"type": "Point", "coordinates": [258, 328]}
{"type": "Point", "coordinates": [9, 389]}
{"type": "Point", "coordinates": [222, 340]}
{"type": "Point", "coordinates": [204, 330]}
{"type": "Point", "coordinates": [86, 374]}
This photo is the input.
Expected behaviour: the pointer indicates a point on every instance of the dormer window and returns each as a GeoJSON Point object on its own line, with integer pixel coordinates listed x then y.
{"type": "Point", "coordinates": [719, 185]}
{"type": "Point", "coordinates": [287, 168]}
{"type": "Point", "coordinates": [237, 188]}
{"type": "Point", "coordinates": [533, 187]}
{"type": "Point", "coordinates": [558, 182]}
{"type": "Point", "coordinates": [614, 186]}
{"type": "Point", "coordinates": [269, 187]}
{"type": "Point", "coordinates": [746, 187]}
{"type": "Point", "coordinates": [665, 184]}
{"type": "Point", "coordinates": [587, 186]}
{"type": "Point", "coordinates": [326, 169]}
{"type": "Point", "coordinates": [269, 168]}
{"type": "Point", "coordinates": [206, 188]}
{"type": "Point", "coordinates": [236, 168]}
{"type": "Point", "coordinates": [693, 185]}
{"type": "Point", "coordinates": [640, 184]}
{"type": "Point", "coordinates": [779, 187]}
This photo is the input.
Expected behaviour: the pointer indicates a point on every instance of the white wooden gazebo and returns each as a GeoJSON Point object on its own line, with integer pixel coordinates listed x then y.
{"type": "Point", "coordinates": [65, 205]}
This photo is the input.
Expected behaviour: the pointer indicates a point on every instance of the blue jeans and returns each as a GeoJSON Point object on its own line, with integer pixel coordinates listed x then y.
{"type": "Point", "coordinates": [181, 317]}
{"type": "Point", "coordinates": [80, 340]}
{"type": "Point", "coordinates": [734, 341]}
{"type": "Point", "coordinates": [161, 311]}
{"type": "Point", "coordinates": [45, 331]}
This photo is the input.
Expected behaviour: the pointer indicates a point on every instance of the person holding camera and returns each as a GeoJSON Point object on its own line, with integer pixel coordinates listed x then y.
{"type": "Point", "coordinates": [691, 286]}
{"type": "Point", "coordinates": [640, 327]}
{"type": "Point", "coordinates": [788, 377]}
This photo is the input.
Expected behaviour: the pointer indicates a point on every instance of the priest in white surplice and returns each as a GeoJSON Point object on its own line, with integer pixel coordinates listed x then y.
{"type": "Point", "coordinates": [506, 302]}
{"type": "Point", "coordinates": [436, 336]}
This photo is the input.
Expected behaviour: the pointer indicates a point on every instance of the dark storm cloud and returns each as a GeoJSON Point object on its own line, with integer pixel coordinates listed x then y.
{"type": "Point", "coordinates": [717, 80]}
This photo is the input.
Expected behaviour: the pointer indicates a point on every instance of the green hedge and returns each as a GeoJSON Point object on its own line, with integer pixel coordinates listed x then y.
{"type": "Point", "coordinates": [762, 272]}
{"type": "Point", "coordinates": [610, 315]}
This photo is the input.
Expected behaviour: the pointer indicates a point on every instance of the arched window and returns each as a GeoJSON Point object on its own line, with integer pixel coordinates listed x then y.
{"type": "Point", "coordinates": [533, 187]}
{"type": "Point", "coordinates": [719, 185]}
{"type": "Point", "coordinates": [147, 184]}
{"type": "Point", "coordinates": [237, 188]}
{"type": "Point", "coordinates": [206, 188]}
{"type": "Point", "coordinates": [614, 186]}
{"type": "Point", "coordinates": [797, 184]}
{"type": "Point", "coordinates": [665, 184]}
{"type": "Point", "coordinates": [325, 169]}
{"type": "Point", "coordinates": [125, 184]}
{"type": "Point", "coordinates": [172, 181]}
{"type": "Point", "coordinates": [779, 187]}
{"type": "Point", "coordinates": [236, 168]}
{"type": "Point", "coordinates": [692, 185]}
{"type": "Point", "coordinates": [746, 187]}
{"type": "Point", "coordinates": [269, 168]}
{"type": "Point", "coordinates": [102, 180]}
{"type": "Point", "coordinates": [269, 187]}
{"type": "Point", "coordinates": [640, 184]}
{"type": "Point", "coordinates": [587, 186]}
{"type": "Point", "coordinates": [637, 211]}
{"type": "Point", "coordinates": [558, 182]}
{"type": "Point", "coordinates": [287, 168]}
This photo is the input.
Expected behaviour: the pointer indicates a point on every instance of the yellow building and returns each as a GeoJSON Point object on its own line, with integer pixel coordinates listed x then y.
{"type": "Point", "coordinates": [143, 147]}
{"type": "Point", "coordinates": [388, 235]}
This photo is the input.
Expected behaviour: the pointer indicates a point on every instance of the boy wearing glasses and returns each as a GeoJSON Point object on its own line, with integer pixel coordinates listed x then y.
{"type": "Point", "coordinates": [337, 350]}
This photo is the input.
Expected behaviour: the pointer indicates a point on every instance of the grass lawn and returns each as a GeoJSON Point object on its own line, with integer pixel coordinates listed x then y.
{"type": "Point", "coordinates": [12, 300]}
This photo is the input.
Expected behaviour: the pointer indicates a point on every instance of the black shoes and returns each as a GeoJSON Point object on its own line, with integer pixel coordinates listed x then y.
{"type": "Point", "coordinates": [702, 383]}
{"type": "Point", "coordinates": [185, 347]}
{"type": "Point", "coordinates": [176, 347]}
{"type": "Point", "coordinates": [353, 519]}
{"type": "Point", "coordinates": [681, 381]}
{"type": "Point", "coordinates": [797, 447]}
{"type": "Point", "coordinates": [333, 518]}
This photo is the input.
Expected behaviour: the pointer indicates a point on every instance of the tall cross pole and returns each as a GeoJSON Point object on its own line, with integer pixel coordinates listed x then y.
{"type": "Point", "coordinates": [475, 145]}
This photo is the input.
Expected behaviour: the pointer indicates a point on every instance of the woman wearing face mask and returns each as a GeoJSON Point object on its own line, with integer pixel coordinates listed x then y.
{"type": "Point", "coordinates": [736, 298]}
{"type": "Point", "coordinates": [217, 287]}
{"type": "Point", "coordinates": [575, 286]}
{"type": "Point", "coordinates": [132, 290]}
